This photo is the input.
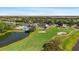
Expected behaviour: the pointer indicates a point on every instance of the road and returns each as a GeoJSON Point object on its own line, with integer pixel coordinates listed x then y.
{"type": "Point", "coordinates": [76, 47]}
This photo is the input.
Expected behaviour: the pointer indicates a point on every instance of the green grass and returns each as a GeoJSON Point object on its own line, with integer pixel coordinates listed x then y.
{"type": "Point", "coordinates": [35, 40]}
{"type": "Point", "coordinates": [4, 36]}
{"type": "Point", "coordinates": [70, 42]}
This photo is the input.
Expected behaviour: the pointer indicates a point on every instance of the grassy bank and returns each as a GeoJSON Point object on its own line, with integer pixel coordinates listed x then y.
{"type": "Point", "coordinates": [69, 43]}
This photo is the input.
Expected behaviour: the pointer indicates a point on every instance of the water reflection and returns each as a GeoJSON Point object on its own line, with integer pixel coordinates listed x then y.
{"type": "Point", "coordinates": [13, 37]}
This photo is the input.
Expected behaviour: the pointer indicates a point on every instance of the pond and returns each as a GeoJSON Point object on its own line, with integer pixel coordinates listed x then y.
{"type": "Point", "coordinates": [76, 47]}
{"type": "Point", "coordinates": [13, 37]}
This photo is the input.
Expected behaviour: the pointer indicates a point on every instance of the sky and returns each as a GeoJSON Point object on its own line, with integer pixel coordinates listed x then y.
{"type": "Point", "coordinates": [39, 11]}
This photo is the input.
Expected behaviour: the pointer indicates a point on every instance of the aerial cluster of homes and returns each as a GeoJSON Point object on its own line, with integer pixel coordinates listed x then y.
{"type": "Point", "coordinates": [25, 26]}
{"type": "Point", "coordinates": [43, 26]}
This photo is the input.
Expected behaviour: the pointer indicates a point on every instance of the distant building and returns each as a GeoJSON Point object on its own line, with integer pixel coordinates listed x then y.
{"type": "Point", "coordinates": [42, 26]}
{"type": "Point", "coordinates": [65, 25]}
{"type": "Point", "coordinates": [23, 28]}
{"type": "Point", "coordinates": [7, 22]}
{"type": "Point", "coordinates": [75, 26]}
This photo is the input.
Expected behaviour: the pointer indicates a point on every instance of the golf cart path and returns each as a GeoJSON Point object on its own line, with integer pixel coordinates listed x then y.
{"type": "Point", "coordinates": [76, 47]}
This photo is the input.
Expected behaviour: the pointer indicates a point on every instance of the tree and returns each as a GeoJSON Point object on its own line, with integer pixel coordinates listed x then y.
{"type": "Point", "coordinates": [2, 26]}
{"type": "Point", "coordinates": [53, 45]}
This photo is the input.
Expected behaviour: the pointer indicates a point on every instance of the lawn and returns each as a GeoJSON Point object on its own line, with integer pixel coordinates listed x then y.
{"type": "Point", "coordinates": [70, 42]}
{"type": "Point", "coordinates": [35, 40]}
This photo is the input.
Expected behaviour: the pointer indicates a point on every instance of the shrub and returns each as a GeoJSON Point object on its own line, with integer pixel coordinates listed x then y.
{"type": "Point", "coordinates": [52, 45]}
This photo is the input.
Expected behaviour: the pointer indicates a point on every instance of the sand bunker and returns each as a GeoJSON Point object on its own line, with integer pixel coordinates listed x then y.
{"type": "Point", "coordinates": [61, 33]}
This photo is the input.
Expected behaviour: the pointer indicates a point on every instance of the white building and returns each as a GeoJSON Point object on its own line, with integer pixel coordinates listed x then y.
{"type": "Point", "coordinates": [23, 28]}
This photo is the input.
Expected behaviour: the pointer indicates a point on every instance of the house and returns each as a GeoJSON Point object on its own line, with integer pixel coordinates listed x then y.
{"type": "Point", "coordinates": [75, 26]}
{"type": "Point", "coordinates": [65, 25]}
{"type": "Point", "coordinates": [42, 26]}
{"type": "Point", "coordinates": [23, 28]}
{"type": "Point", "coordinates": [9, 22]}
